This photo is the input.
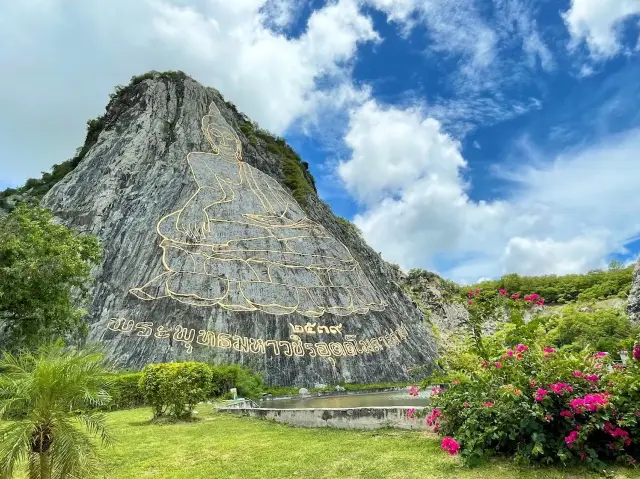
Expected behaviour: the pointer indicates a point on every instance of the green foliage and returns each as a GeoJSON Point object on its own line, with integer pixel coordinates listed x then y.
{"type": "Point", "coordinates": [607, 330]}
{"type": "Point", "coordinates": [44, 269]}
{"type": "Point", "coordinates": [594, 285]}
{"type": "Point", "coordinates": [248, 383]}
{"type": "Point", "coordinates": [125, 392]}
{"type": "Point", "coordinates": [297, 176]}
{"type": "Point", "coordinates": [47, 402]}
{"type": "Point", "coordinates": [512, 406]}
{"type": "Point", "coordinates": [173, 389]}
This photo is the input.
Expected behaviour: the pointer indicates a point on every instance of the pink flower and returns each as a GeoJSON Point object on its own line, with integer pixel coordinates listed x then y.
{"type": "Point", "coordinates": [571, 438]}
{"type": "Point", "coordinates": [532, 383]}
{"type": "Point", "coordinates": [548, 417]}
{"type": "Point", "coordinates": [498, 365]}
{"type": "Point", "coordinates": [469, 302]}
{"type": "Point", "coordinates": [487, 404]}
{"type": "Point", "coordinates": [618, 367]}
{"type": "Point", "coordinates": [636, 352]}
{"type": "Point", "coordinates": [450, 445]}
{"type": "Point", "coordinates": [521, 348]}
{"type": "Point", "coordinates": [577, 374]}
{"type": "Point", "coordinates": [559, 388]}
{"type": "Point", "coordinates": [515, 296]}
{"type": "Point", "coordinates": [431, 419]}
{"type": "Point", "coordinates": [411, 412]}
{"type": "Point", "coordinates": [541, 394]}
{"type": "Point", "coordinates": [519, 356]}
{"type": "Point", "coordinates": [509, 353]}
{"type": "Point", "coordinates": [566, 413]}
{"type": "Point", "coordinates": [601, 354]}
{"type": "Point", "coordinates": [435, 391]}
{"type": "Point", "coordinates": [414, 391]}
{"type": "Point", "coordinates": [592, 378]}
{"type": "Point", "coordinates": [503, 292]}
{"type": "Point", "coordinates": [477, 291]}
{"type": "Point", "coordinates": [549, 350]}
{"type": "Point", "coordinates": [591, 402]}
{"type": "Point", "coordinates": [466, 404]}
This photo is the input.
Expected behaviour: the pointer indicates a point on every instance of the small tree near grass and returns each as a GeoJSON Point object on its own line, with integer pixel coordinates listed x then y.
{"type": "Point", "coordinates": [173, 389]}
{"type": "Point", "coordinates": [48, 399]}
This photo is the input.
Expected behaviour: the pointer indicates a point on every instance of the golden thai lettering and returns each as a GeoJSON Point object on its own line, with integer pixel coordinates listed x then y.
{"type": "Point", "coordinates": [286, 346]}
{"type": "Point", "coordinates": [323, 349]}
{"type": "Point", "coordinates": [296, 328]}
{"type": "Point", "coordinates": [163, 332]}
{"type": "Point", "coordinates": [256, 346]}
{"type": "Point", "coordinates": [295, 347]}
{"type": "Point", "coordinates": [240, 343]}
{"type": "Point", "coordinates": [336, 329]}
{"type": "Point", "coordinates": [274, 344]}
{"type": "Point", "coordinates": [224, 341]}
{"type": "Point", "coordinates": [184, 336]}
{"type": "Point", "coordinates": [310, 328]}
{"type": "Point", "coordinates": [336, 349]}
{"type": "Point", "coordinates": [145, 329]}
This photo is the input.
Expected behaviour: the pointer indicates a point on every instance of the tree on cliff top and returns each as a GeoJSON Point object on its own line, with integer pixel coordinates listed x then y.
{"type": "Point", "coordinates": [44, 273]}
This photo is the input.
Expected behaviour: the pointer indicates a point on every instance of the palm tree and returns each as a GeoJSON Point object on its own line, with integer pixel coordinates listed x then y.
{"type": "Point", "coordinates": [49, 400]}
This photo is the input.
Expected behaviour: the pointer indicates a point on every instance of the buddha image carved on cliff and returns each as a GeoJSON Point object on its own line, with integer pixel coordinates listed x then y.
{"type": "Point", "coordinates": [242, 242]}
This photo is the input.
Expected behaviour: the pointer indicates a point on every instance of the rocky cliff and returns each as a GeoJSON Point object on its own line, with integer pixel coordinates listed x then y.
{"type": "Point", "coordinates": [216, 248]}
{"type": "Point", "coordinates": [633, 306]}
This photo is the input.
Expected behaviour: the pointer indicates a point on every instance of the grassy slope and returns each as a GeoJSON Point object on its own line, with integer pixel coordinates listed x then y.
{"type": "Point", "coordinates": [222, 446]}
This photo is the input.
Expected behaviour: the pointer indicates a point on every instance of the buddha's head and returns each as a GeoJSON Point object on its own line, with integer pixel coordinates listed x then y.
{"type": "Point", "coordinates": [223, 140]}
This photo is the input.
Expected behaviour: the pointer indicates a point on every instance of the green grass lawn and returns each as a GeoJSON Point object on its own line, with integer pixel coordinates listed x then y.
{"type": "Point", "coordinates": [225, 446]}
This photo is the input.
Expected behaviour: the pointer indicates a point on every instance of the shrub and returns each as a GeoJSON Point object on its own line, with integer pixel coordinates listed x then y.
{"type": "Point", "coordinates": [248, 383]}
{"type": "Point", "coordinates": [174, 389]}
{"type": "Point", "coordinates": [125, 392]}
{"type": "Point", "coordinates": [542, 405]}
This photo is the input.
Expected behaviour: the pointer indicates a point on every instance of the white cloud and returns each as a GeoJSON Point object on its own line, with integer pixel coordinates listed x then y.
{"type": "Point", "coordinates": [597, 23]}
{"type": "Point", "coordinates": [565, 215]}
{"type": "Point", "coordinates": [65, 61]}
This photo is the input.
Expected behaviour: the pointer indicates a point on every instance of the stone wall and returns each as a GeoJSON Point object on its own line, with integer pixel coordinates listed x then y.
{"type": "Point", "coordinates": [340, 418]}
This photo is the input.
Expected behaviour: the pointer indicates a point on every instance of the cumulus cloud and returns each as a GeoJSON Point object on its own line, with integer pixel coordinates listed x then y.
{"type": "Point", "coordinates": [564, 215]}
{"type": "Point", "coordinates": [65, 60]}
{"type": "Point", "coordinates": [597, 22]}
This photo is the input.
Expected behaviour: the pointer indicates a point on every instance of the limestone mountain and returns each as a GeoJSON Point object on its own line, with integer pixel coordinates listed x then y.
{"type": "Point", "coordinates": [217, 248]}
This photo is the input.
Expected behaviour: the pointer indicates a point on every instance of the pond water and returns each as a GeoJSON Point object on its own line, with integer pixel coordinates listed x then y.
{"type": "Point", "coordinates": [381, 399]}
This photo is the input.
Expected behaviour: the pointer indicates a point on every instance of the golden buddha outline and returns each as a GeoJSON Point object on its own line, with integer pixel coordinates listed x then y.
{"type": "Point", "coordinates": [243, 243]}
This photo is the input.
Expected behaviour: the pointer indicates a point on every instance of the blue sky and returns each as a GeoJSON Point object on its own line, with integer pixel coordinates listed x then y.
{"type": "Point", "coordinates": [468, 137]}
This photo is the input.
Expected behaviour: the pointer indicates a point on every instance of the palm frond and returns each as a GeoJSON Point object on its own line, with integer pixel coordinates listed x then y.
{"type": "Point", "coordinates": [14, 445]}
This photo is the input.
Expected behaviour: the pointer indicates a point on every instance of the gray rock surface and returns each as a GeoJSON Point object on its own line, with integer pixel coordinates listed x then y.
{"type": "Point", "coordinates": [137, 173]}
{"type": "Point", "coordinates": [633, 305]}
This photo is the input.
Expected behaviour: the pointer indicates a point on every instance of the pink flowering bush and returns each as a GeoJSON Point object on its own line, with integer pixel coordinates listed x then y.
{"type": "Point", "coordinates": [547, 406]}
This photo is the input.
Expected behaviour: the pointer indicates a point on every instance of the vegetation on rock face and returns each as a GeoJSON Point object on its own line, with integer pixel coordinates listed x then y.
{"type": "Point", "coordinates": [48, 400]}
{"type": "Point", "coordinates": [44, 274]}
{"type": "Point", "coordinates": [296, 174]}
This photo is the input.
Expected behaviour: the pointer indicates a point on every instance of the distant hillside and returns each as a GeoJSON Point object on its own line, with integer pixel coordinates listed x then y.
{"type": "Point", "coordinates": [596, 285]}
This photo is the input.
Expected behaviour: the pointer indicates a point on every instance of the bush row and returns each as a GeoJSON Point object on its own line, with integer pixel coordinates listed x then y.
{"type": "Point", "coordinates": [169, 386]}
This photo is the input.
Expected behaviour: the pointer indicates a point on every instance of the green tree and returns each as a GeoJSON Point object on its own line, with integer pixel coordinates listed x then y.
{"type": "Point", "coordinates": [615, 265]}
{"type": "Point", "coordinates": [48, 398]}
{"type": "Point", "coordinates": [44, 273]}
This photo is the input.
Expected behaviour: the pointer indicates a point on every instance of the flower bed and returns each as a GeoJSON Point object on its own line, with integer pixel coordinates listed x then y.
{"type": "Point", "coordinates": [543, 406]}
